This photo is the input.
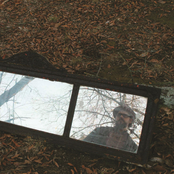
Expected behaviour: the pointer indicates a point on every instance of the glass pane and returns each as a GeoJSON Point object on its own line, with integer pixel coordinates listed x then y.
{"type": "Point", "coordinates": [34, 103]}
{"type": "Point", "coordinates": [109, 118]}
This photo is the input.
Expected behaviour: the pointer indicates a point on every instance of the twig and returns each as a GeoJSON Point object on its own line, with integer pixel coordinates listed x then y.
{"type": "Point", "coordinates": [99, 67]}
{"type": "Point", "coordinates": [127, 66]}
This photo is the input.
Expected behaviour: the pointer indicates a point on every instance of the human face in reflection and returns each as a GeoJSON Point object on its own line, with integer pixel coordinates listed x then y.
{"type": "Point", "coordinates": [123, 120]}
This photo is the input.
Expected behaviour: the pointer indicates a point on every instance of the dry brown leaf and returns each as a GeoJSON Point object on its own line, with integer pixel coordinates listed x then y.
{"type": "Point", "coordinates": [143, 172]}
{"type": "Point", "coordinates": [27, 162]}
{"type": "Point", "coordinates": [154, 60]}
{"type": "Point", "coordinates": [30, 147]}
{"type": "Point", "coordinates": [83, 167]}
{"type": "Point", "coordinates": [103, 41]}
{"type": "Point", "coordinates": [88, 170]}
{"type": "Point", "coordinates": [166, 124]}
{"type": "Point", "coordinates": [91, 165]}
{"type": "Point", "coordinates": [57, 25]}
{"type": "Point", "coordinates": [55, 163]}
{"type": "Point", "coordinates": [72, 171]}
{"type": "Point", "coordinates": [16, 144]}
{"type": "Point", "coordinates": [109, 66]}
{"type": "Point", "coordinates": [70, 164]}
{"type": "Point", "coordinates": [38, 161]}
{"type": "Point", "coordinates": [75, 169]}
{"type": "Point", "coordinates": [131, 170]}
{"type": "Point", "coordinates": [16, 155]}
{"type": "Point", "coordinates": [167, 110]}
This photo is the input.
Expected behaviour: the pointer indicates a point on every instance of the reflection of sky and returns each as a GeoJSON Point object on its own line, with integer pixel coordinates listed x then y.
{"type": "Point", "coordinates": [42, 104]}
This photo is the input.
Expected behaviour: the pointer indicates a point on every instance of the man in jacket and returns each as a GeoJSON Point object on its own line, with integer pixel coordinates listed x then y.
{"type": "Point", "coordinates": [116, 137]}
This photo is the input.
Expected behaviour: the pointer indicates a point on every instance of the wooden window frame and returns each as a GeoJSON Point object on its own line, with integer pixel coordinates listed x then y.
{"type": "Point", "coordinates": [153, 95]}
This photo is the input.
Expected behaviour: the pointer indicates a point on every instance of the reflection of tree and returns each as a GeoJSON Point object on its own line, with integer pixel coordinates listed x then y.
{"type": "Point", "coordinates": [11, 91]}
{"type": "Point", "coordinates": [48, 109]}
{"type": "Point", "coordinates": [53, 110]}
{"type": "Point", "coordinates": [15, 89]}
{"type": "Point", "coordinates": [94, 109]}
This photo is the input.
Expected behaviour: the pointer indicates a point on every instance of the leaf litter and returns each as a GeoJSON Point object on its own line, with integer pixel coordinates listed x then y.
{"type": "Point", "coordinates": [77, 35]}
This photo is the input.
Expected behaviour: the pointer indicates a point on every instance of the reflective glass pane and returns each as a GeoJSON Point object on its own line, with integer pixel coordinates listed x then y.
{"type": "Point", "coordinates": [109, 118]}
{"type": "Point", "coordinates": [34, 103]}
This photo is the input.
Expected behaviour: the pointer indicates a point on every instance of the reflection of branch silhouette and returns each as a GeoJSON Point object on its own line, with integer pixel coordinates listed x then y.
{"type": "Point", "coordinates": [111, 98]}
{"type": "Point", "coordinates": [83, 128]}
{"type": "Point", "coordinates": [93, 112]}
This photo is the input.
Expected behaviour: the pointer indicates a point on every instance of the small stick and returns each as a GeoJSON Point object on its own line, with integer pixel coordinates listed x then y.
{"type": "Point", "coordinates": [99, 67]}
{"type": "Point", "coordinates": [127, 66]}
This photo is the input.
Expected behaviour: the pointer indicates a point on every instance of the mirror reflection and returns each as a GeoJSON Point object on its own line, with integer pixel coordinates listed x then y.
{"type": "Point", "coordinates": [33, 102]}
{"type": "Point", "coordinates": [109, 118]}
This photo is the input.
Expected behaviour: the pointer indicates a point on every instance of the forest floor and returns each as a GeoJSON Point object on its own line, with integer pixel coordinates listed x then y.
{"type": "Point", "coordinates": [120, 40]}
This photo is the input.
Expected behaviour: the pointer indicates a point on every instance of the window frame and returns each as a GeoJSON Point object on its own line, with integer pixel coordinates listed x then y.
{"type": "Point", "coordinates": [153, 95]}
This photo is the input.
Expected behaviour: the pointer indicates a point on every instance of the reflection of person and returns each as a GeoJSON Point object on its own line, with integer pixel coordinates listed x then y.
{"type": "Point", "coordinates": [116, 137]}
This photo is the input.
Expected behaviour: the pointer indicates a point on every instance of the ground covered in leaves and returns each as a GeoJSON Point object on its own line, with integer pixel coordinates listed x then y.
{"type": "Point", "coordinates": [122, 40]}
{"type": "Point", "coordinates": [94, 37]}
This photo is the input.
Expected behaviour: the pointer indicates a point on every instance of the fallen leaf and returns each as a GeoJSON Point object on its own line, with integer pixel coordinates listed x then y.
{"type": "Point", "coordinates": [70, 164]}
{"type": "Point", "coordinates": [72, 171]}
{"type": "Point", "coordinates": [143, 172]}
{"type": "Point", "coordinates": [109, 66]}
{"type": "Point", "coordinates": [16, 155]}
{"type": "Point", "coordinates": [27, 162]}
{"type": "Point", "coordinates": [154, 60]}
{"type": "Point", "coordinates": [91, 165]}
{"type": "Point", "coordinates": [16, 144]}
{"type": "Point", "coordinates": [75, 169]}
{"type": "Point", "coordinates": [3, 57]}
{"type": "Point", "coordinates": [57, 25]}
{"type": "Point", "coordinates": [30, 147]}
{"type": "Point", "coordinates": [55, 163]}
{"type": "Point", "coordinates": [131, 170]}
{"type": "Point", "coordinates": [88, 170]}
{"type": "Point", "coordinates": [38, 161]}
{"type": "Point", "coordinates": [144, 54]}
